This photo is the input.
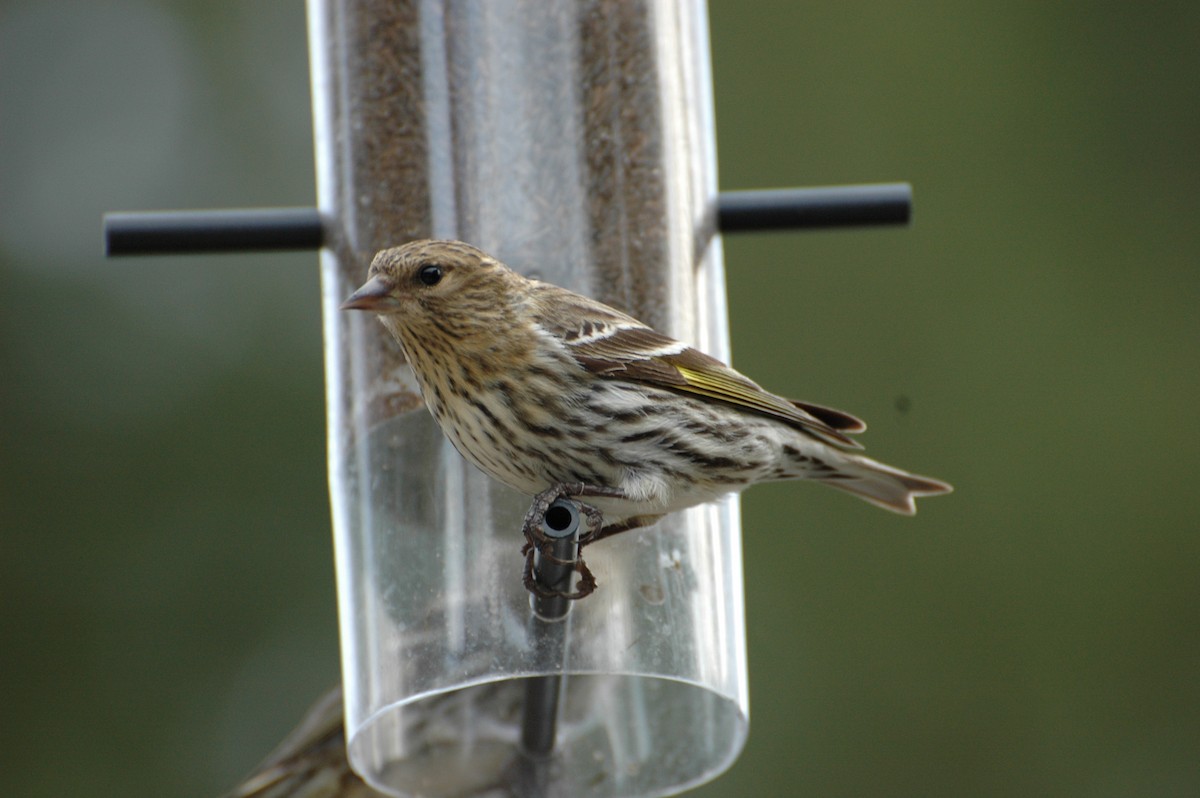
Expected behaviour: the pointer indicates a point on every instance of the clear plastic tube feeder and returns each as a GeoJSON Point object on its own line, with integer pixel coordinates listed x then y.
{"type": "Point", "coordinates": [573, 140]}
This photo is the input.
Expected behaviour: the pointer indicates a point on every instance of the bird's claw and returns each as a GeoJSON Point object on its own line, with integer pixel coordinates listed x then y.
{"type": "Point", "coordinates": [539, 543]}
{"type": "Point", "coordinates": [583, 588]}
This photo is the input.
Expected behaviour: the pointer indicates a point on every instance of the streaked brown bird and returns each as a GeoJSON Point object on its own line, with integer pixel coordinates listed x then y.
{"type": "Point", "coordinates": [553, 393]}
{"type": "Point", "coordinates": [311, 762]}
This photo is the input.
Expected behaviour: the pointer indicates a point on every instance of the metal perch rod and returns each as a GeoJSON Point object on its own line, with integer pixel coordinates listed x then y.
{"type": "Point", "coordinates": [548, 627]}
{"type": "Point", "coordinates": [262, 229]}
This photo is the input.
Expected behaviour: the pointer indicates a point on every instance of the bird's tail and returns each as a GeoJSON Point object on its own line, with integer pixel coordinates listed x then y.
{"type": "Point", "coordinates": [881, 485]}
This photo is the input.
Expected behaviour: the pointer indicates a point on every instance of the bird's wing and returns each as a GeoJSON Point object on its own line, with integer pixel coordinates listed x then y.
{"type": "Point", "coordinates": [611, 344]}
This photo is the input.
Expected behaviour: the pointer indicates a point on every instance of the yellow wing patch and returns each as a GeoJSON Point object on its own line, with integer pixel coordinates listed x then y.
{"type": "Point", "coordinates": [729, 386]}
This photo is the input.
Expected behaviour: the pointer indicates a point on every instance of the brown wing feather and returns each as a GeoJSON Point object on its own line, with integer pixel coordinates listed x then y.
{"type": "Point", "coordinates": [840, 420]}
{"type": "Point", "coordinates": [612, 344]}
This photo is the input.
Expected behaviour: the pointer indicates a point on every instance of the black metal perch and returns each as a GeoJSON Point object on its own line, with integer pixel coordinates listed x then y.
{"type": "Point", "coordinates": [263, 229]}
{"type": "Point", "coordinates": [553, 573]}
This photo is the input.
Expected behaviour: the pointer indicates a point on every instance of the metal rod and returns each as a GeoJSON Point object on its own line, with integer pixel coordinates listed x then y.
{"type": "Point", "coordinates": [231, 230]}
{"type": "Point", "coordinates": [540, 721]}
{"type": "Point", "coordinates": [815, 208]}
{"type": "Point", "coordinates": [260, 229]}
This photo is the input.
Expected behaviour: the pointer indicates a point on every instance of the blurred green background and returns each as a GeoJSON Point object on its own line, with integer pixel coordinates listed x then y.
{"type": "Point", "coordinates": [165, 568]}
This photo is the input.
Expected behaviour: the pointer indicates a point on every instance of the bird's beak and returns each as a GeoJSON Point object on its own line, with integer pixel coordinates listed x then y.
{"type": "Point", "coordinates": [375, 295]}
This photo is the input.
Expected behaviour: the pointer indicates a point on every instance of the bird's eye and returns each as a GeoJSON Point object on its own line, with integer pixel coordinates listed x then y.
{"type": "Point", "coordinates": [430, 274]}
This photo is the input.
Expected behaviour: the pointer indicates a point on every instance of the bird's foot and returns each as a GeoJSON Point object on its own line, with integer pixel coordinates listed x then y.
{"type": "Point", "coordinates": [537, 542]}
{"type": "Point", "coordinates": [583, 588]}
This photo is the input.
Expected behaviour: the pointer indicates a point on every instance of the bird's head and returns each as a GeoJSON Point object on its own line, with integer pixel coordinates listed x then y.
{"type": "Point", "coordinates": [428, 274]}
{"type": "Point", "coordinates": [449, 285]}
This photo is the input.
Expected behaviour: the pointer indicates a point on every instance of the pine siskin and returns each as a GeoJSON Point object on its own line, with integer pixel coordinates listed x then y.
{"type": "Point", "coordinates": [311, 762]}
{"type": "Point", "coordinates": [550, 392]}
